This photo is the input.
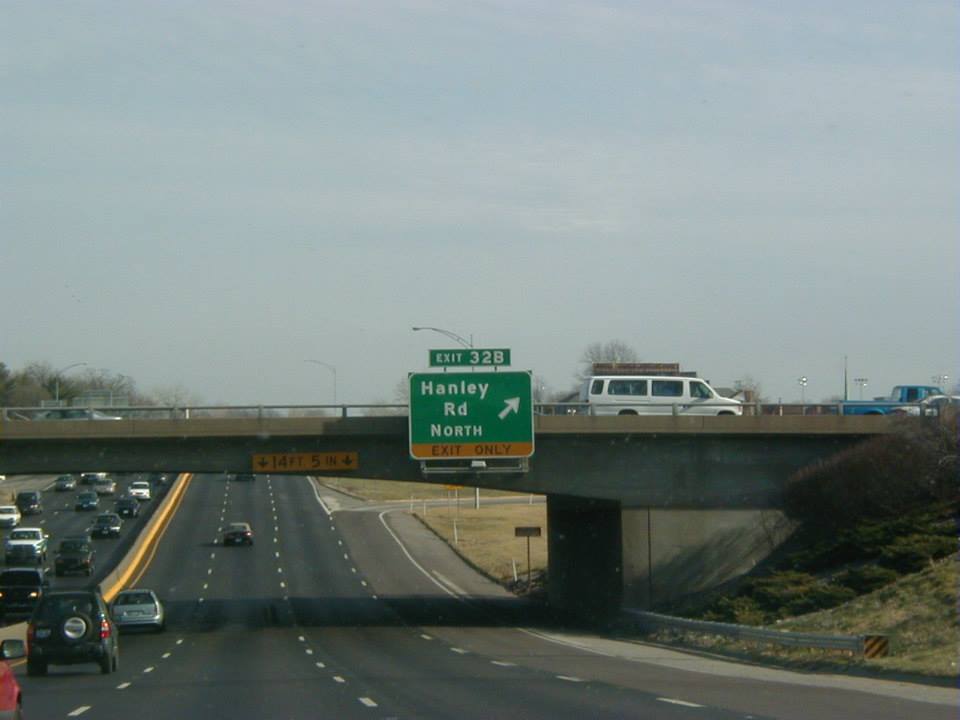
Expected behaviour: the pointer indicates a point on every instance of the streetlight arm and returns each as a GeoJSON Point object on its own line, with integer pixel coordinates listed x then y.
{"type": "Point", "coordinates": [448, 333]}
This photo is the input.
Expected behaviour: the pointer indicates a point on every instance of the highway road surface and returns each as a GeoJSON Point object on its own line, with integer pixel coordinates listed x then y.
{"type": "Point", "coordinates": [340, 611]}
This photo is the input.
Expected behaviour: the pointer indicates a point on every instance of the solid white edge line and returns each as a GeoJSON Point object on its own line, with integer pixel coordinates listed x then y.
{"type": "Point", "coordinates": [410, 557]}
{"type": "Point", "coordinates": [316, 494]}
{"type": "Point", "coordinates": [674, 701]}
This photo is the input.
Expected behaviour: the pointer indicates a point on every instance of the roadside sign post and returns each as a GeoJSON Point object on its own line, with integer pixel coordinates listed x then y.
{"type": "Point", "coordinates": [471, 415]}
{"type": "Point", "coordinates": [527, 532]}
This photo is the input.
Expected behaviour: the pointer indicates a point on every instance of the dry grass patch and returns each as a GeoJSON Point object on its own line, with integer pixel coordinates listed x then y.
{"type": "Point", "coordinates": [380, 490]}
{"type": "Point", "coordinates": [485, 537]}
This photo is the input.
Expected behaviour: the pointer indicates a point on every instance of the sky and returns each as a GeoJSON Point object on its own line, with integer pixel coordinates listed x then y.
{"type": "Point", "coordinates": [208, 195]}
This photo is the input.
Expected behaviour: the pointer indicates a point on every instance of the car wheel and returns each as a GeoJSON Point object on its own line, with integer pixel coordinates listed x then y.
{"type": "Point", "coordinates": [107, 664]}
{"type": "Point", "coordinates": [77, 628]}
{"type": "Point", "coordinates": [36, 667]}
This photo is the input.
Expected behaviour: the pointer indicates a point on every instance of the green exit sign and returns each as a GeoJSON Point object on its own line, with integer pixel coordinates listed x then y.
{"type": "Point", "coordinates": [467, 357]}
{"type": "Point", "coordinates": [471, 415]}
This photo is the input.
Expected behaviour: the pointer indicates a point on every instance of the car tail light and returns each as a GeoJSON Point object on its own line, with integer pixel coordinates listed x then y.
{"type": "Point", "coordinates": [104, 629]}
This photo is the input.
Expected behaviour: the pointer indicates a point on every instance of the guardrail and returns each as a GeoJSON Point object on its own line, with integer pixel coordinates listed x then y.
{"type": "Point", "coordinates": [106, 413]}
{"type": "Point", "coordinates": [867, 646]}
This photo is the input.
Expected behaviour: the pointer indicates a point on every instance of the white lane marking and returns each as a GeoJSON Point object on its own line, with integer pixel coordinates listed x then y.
{"type": "Point", "coordinates": [353, 569]}
{"type": "Point", "coordinates": [674, 701]}
{"type": "Point", "coordinates": [316, 494]}
{"type": "Point", "coordinates": [425, 636]}
{"type": "Point", "coordinates": [346, 557]}
{"type": "Point", "coordinates": [282, 584]}
{"type": "Point", "coordinates": [363, 582]}
{"type": "Point", "coordinates": [180, 641]}
{"type": "Point", "coordinates": [200, 599]}
{"type": "Point", "coordinates": [320, 665]}
{"type": "Point", "coordinates": [165, 656]}
{"type": "Point", "coordinates": [123, 686]}
{"type": "Point", "coordinates": [367, 701]}
{"type": "Point", "coordinates": [411, 559]}
{"type": "Point", "coordinates": [148, 669]}
{"type": "Point", "coordinates": [277, 553]}
{"type": "Point", "coordinates": [79, 711]}
{"type": "Point", "coordinates": [309, 651]}
{"type": "Point", "coordinates": [279, 569]}
{"type": "Point", "coordinates": [209, 571]}
{"type": "Point", "coordinates": [374, 596]}
{"type": "Point", "coordinates": [449, 583]}
{"type": "Point", "coordinates": [212, 555]}
{"type": "Point", "coordinates": [339, 542]}
{"type": "Point", "coordinates": [301, 638]}
{"type": "Point", "coordinates": [459, 651]}
{"type": "Point", "coordinates": [503, 663]}
{"type": "Point", "coordinates": [569, 678]}
{"type": "Point", "coordinates": [206, 585]}
{"type": "Point", "coordinates": [276, 540]}
{"type": "Point", "coordinates": [337, 678]}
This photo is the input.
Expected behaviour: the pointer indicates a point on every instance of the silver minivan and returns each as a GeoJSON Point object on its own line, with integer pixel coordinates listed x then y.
{"type": "Point", "coordinates": [654, 395]}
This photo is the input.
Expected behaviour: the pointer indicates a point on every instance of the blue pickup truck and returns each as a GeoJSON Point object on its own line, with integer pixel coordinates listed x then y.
{"type": "Point", "coordinates": [901, 398]}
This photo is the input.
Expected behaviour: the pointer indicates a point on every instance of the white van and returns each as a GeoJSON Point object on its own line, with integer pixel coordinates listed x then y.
{"type": "Point", "coordinates": [654, 395]}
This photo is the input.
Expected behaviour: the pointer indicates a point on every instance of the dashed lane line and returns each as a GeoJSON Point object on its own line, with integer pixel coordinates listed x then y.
{"type": "Point", "coordinates": [79, 711]}
{"type": "Point", "coordinates": [367, 701]}
{"type": "Point", "coordinates": [165, 656]}
{"type": "Point", "coordinates": [338, 679]}
{"type": "Point", "coordinates": [123, 686]}
{"type": "Point", "coordinates": [459, 651]}
{"type": "Point", "coordinates": [570, 678]}
{"type": "Point", "coordinates": [503, 663]}
{"type": "Point", "coordinates": [425, 636]}
{"type": "Point", "coordinates": [148, 669]}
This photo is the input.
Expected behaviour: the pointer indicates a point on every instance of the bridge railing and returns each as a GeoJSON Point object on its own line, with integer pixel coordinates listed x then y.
{"type": "Point", "coordinates": [106, 413]}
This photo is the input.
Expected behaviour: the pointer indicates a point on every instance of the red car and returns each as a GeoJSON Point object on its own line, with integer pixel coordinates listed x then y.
{"type": "Point", "coordinates": [10, 699]}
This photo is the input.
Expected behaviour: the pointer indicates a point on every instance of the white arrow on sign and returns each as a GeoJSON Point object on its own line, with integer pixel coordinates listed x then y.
{"type": "Point", "coordinates": [512, 405]}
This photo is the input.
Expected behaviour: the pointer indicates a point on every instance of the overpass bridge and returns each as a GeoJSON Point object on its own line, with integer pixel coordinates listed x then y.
{"type": "Point", "coordinates": [640, 508]}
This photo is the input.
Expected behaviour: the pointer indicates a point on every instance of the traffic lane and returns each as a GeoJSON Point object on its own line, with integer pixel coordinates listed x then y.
{"type": "Point", "coordinates": [499, 640]}
{"type": "Point", "coordinates": [363, 640]}
{"type": "Point", "coordinates": [233, 662]}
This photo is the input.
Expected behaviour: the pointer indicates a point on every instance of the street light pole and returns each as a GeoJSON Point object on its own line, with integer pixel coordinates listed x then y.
{"type": "Point", "coordinates": [332, 369]}
{"type": "Point", "coordinates": [61, 371]}
{"type": "Point", "coordinates": [450, 334]}
{"type": "Point", "coordinates": [862, 382]}
{"type": "Point", "coordinates": [803, 389]}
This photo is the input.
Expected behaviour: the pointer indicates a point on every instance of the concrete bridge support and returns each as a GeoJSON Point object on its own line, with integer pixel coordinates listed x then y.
{"type": "Point", "coordinates": [584, 545]}
{"type": "Point", "coordinates": [603, 556]}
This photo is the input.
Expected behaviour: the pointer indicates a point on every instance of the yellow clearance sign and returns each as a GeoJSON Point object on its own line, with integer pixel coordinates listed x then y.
{"type": "Point", "coordinates": [305, 462]}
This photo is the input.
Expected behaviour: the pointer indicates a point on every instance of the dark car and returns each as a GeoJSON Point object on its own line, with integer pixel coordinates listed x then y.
{"type": "Point", "coordinates": [127, 507]}
{"type": "Point", "coordinates": [71, 627]}
{"type": "Point", "coordinates": [65, 483]}
{"type": "Point", "coordinates": [29, 502]}
{"type": "Point", "coordinates": [106, 525]}
{"type": "Point", "coordinates": [74, 554]}
{"type": "Point", "coordinates": [88, 501]}
{"type": "Point", "coordinates": [238, 533]}
{"type": "Point", "coordinates": [20, 589]}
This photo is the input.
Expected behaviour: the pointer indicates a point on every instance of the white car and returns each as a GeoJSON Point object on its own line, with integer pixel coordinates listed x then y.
{"type": "Point", "coordinates": [26, 543]}
{"type": "Point", "coordinates": [140, 489]}
{"type": "Point", "coordinates": [9, 516]}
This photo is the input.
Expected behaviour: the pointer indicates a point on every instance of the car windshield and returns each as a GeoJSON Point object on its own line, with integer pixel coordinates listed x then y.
{"type": "Point", "coordinates": [134, 598]}
{"type": "Point", "coordinates": [74, 546]}
{"type": "Point", "coordinates": [14, 578]}
{"type": "Point", "coordinates": [531, 335]}
{"type": "Point", "coordinates": [25, 535]}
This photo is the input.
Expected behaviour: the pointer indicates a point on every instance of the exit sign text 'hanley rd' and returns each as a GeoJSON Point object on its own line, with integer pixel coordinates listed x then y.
{"type": "Point", "coordinates": [471, 415]}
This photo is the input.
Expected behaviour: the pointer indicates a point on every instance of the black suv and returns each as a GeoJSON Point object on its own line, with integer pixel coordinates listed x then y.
{"type": "Point", "coordinates": [20, 590]}
{"type": "Point", "coordinates": [74, 554]}
{"type": "Point", "coordinates": [71, 627]}
{"type": "Point", "coordinates": [127, 507]}
{"type": "Point", "coordinates": [106, 525]}
{"type": "Point", "coordinates": [29, 502]}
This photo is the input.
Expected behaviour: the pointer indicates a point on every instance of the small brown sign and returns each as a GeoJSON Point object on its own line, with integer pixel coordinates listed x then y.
{"type": "Point", "coordinates": [527, 531]}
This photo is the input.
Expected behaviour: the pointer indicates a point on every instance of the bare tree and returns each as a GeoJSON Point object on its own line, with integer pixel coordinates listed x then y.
{"type": "Point", "coordinates": [751, 389]}
{"type": "Point", "coordinates": [611, 351]}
